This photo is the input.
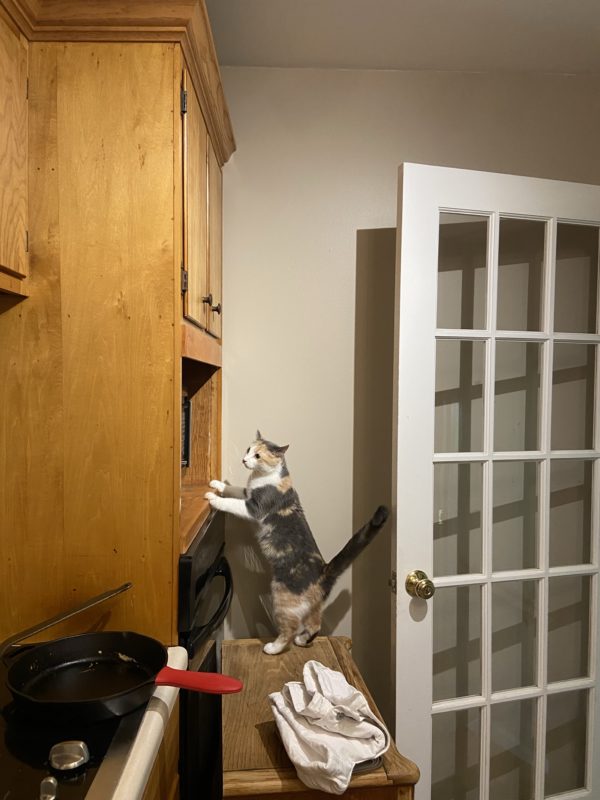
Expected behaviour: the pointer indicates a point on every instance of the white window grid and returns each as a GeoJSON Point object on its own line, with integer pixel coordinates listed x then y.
{"type": "Point", "coordinates": [547, 338]}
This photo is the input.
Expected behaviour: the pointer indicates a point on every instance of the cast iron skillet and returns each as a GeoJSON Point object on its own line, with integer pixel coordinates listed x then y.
{"type": "Point", "coordinates": [96, 676]}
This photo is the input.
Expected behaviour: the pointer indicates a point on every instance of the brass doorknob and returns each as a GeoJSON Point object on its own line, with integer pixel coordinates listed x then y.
{"type": "Point", "coordinates": [418, 585]}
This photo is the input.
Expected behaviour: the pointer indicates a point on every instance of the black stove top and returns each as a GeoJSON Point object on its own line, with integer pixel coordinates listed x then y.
{"type": "Point", "coordinates": [25, 745]}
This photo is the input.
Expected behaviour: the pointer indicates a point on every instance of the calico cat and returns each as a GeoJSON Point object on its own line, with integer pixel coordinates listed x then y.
{"type": "Point", "coordinates": [301, 580]}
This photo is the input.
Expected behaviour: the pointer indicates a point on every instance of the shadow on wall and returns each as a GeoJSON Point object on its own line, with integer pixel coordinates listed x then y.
{"type": "Point", "coordinates": [372, 468]}
{"type": "Point", "coordinates": [251, 614]}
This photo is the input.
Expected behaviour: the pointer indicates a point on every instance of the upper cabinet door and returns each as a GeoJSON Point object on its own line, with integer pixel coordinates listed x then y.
{"type": "Point", "coordinates": [13, 157]}
{"type": "Point", "coordinates": [215, 235]}
{"type": "Point", "coordinates": [195, 200]}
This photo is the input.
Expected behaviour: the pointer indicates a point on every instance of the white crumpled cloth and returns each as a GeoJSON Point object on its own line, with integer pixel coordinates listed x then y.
{"type": "Point", "coordinates": [326, 727]}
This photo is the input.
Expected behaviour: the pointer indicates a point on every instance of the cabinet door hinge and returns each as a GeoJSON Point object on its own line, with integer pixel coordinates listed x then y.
{"type": "Point", "coordinates": [27, 89]}
{"type": "Point", "coordinates": [184, 280]}
{"type": "Point", "coordinates": [183, 100]}
{"type": "Point", "coordinates": [393, 582]}
{"type": "Point", "coordinates": [26, 241]}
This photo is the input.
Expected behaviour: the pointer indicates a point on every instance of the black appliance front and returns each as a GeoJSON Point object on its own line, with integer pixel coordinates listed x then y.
{"type": "Point", "coordinates": [205, 592]}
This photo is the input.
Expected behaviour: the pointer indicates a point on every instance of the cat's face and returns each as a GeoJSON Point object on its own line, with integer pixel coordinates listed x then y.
{"type": "Point", "coordinates": [263, 456]}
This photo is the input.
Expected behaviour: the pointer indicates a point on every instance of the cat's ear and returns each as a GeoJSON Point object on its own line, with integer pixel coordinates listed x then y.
{"type": "Point", "coordinates": [281, 450]}
{"type": "Point", "coordinates": [258, 436]}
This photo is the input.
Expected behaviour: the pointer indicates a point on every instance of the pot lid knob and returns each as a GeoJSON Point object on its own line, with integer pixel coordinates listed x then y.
{"type": "Point", "coordinates": [69, 755]}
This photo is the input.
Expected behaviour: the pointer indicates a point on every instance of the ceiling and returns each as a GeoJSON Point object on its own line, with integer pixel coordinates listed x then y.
{"type": "Point", "coordinates": [475, 35]}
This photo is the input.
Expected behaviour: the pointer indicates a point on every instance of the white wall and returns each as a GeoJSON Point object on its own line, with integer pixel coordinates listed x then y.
{"type": "Point", "coordinates": [316, 161]}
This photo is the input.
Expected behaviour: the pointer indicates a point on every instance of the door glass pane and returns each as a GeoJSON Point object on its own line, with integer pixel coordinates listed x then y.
{"type": "Point", "coordinates": [462, 270]}
{"type": "Point", "coordinates": [456, 642]}
{"type": "Point", "coordinates": [566, 742]}
{"type": "Point", "coordinates": [514, 634]}
{"type": "Point", "coordinates": [456, 747]}
{"type": "Point", "coordinates": [459, 371]}
{"type": "Point", "coordinates": [517, 390]}
{"type": "Point", "coordinates": [568, 627]}
{"type": "Point", "coordinates": [515, 515]}
{"type": "Point", "coordinates": [457, 503]}
{"type": "Point", "coordinates": [576, 278]}
{"type": "Point", "coordinates": [570, 512]}
{"type": "Point", "coordinates": [573, 396]}
{"type": "Point", "coordinates": [512, 750]}
{"type": "Point", "coordinates": [520, 271]}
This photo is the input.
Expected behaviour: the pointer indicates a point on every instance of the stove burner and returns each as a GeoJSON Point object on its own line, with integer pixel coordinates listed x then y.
{"type": "Point", "coordinates": [31, 741]}
{"type": "Point", "coordinates": [25, 744]}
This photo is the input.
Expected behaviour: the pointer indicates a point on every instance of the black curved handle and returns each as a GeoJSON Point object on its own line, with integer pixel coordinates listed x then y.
{"type": "Point", "coordinates": [200, 632]}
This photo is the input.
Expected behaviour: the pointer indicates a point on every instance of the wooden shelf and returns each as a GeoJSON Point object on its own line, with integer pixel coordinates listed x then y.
{"type": "Point", "coordinates": [194, 511]}
{"type": "Point", "coordinates": [199, 346]}
{"type": "Point", "coordinates": [12, 285]}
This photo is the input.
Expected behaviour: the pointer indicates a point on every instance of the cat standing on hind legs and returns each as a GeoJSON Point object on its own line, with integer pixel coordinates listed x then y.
{"type": "Point", "coordinates": [301, 580]}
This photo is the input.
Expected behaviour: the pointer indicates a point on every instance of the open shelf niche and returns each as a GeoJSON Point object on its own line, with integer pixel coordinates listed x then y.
{"type": "Point", "coordinates": [201, 389]}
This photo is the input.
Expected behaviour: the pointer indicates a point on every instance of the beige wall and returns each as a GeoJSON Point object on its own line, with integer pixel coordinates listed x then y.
{"type": "Point", "coordinates": [317, 159]}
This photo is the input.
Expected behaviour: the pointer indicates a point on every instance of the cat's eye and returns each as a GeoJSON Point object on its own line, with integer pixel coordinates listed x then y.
{"type": "Point", "coordinates": [257, 455]}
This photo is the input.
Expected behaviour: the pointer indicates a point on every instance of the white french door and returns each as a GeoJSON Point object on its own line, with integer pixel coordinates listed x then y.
{"type": "Point", "coordinates": [497, 478]}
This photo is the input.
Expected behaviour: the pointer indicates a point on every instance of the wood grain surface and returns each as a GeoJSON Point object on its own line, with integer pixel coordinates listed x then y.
{"type": "Point", "coordinates": [198, 345]}
{"type": "Point", "coordinates": [184, 22]}
{"type": "Point", "coordinates": [195, 202]}
{"type": "Point", "coordinates": [89, 362]}
{"type": "Point", "coordinates": [254, 759]}
{"type": "Point", "coordinates": [32, 546]}
{"type": "Point", "coordinates": [194, 511]}
{"type": "Point", "coordinates": [13, 152]}
{"type": "Point", "coordinates": [116, 250]}
{"type": "Point", "coordinates": [215, 241]}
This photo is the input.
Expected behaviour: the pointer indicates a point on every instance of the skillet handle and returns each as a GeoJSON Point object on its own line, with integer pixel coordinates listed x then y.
{"type": "Point", "coordinates": [208, 682]}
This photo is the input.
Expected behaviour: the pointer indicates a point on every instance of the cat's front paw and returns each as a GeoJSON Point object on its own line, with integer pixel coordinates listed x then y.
{"type": "Point", "coordinates": [212, 498]}
{"type": "Point", "coordinates": [218, 485]}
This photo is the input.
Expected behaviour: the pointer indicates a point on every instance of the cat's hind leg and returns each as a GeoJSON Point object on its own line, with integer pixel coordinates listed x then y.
{"type": "Point", "coordinates": [309, 629]}
{"type": "Point", "coordinates": [286, 630]}
{"type": "Point", "coordinates": [288, 611]}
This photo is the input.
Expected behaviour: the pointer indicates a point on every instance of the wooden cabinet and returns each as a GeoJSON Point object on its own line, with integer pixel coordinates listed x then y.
{"type": "Point", "coordinates": [94, 361]}
{"type": "Point", "coordinates": [215, 240]}
{"type": "Point", "coordinates": [195, 203]}
{"type": "Point", "coordinates": [13, 158]}
{"type": "Point", "coordinates": [255, 764]}
{"type": "Point", "coordinates": [202, 186]}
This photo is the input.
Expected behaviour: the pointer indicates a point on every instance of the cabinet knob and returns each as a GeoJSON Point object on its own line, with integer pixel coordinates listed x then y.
{"type": "Point", "coordinates": [418, 585]}
{"type": "Point", "coordinates": [209, 301]}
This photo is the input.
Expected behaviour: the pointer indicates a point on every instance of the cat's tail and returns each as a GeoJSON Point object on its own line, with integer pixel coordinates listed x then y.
{"type": "Point", "coordinates": [352, 549]}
